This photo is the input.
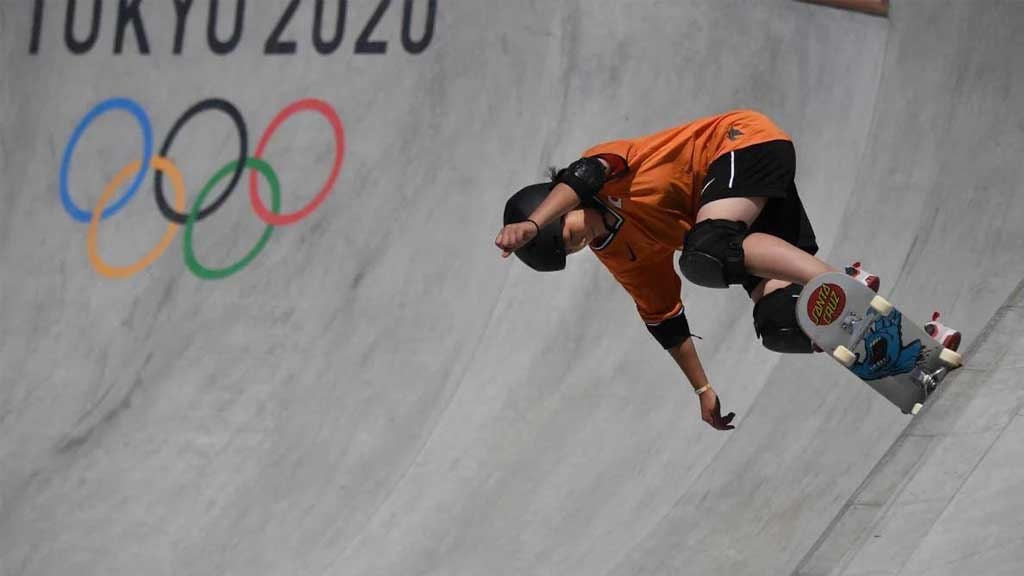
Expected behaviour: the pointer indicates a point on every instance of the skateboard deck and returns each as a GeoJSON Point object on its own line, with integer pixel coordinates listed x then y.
{"type": "Point", "coordinates": [873, 340]}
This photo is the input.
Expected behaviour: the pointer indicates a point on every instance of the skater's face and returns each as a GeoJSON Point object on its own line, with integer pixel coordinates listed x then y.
{"type": "Point", "coordinates": [581, 228]}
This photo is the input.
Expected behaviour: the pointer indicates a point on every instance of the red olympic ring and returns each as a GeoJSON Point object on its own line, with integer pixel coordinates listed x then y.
{"type": "Point", "coordinates": [328, 112]}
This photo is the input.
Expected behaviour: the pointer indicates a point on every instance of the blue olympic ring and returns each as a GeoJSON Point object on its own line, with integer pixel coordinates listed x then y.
{"type": "Point", "coordinates": [147, 154]}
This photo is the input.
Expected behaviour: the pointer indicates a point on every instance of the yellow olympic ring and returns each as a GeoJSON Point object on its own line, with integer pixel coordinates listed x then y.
{"type": "Point", "coordinates": [102, 268]}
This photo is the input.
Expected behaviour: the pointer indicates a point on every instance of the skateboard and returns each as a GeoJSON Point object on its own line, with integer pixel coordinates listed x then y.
{"type": "Point", "coordinates": [873, 340]}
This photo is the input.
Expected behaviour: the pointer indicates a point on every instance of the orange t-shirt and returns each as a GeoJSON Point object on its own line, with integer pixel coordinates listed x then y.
{"type": "Point", "coordinates": [655, 197]}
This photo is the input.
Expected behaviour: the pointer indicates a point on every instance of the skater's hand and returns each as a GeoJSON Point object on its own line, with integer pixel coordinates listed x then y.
{"type": "Point", "coordinates": [711, 411]}
{"type": "Point", "coordinates": [515, 236]}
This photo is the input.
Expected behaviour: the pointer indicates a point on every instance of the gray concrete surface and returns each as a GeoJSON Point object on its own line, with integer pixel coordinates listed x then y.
{"type": "Point", "coordinates": [378, 393]}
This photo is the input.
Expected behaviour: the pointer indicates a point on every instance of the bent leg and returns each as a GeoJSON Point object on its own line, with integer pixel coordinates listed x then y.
{"type": "Point", "coordinates": [751, 221]}
{"type": "Point", "coordinates": [770, 257]}
{"type": "Point", "coordinates": [764, 255]}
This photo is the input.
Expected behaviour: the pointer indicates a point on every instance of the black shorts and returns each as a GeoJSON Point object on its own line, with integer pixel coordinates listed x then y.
{"type": "Point", "coordinates": [763, 171]}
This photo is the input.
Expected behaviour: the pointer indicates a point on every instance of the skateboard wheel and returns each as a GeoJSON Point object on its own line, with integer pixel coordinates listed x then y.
{"type": "Point", "coordinates": [950, 358]}
{"type": "Point", "coordinates": [917, 408]}
{"type": "Point", "coordinates": [881, 305]}
{"type": "Point", "coordinates": [844, 356]}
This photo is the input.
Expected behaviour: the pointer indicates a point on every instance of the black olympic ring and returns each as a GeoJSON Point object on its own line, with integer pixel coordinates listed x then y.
{"type": "Point", "coordinates": [243, 153]}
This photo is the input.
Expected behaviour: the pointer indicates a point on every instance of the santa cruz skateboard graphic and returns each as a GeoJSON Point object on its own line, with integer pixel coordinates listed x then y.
{"type": "Point", "coordinates": [874, 340]}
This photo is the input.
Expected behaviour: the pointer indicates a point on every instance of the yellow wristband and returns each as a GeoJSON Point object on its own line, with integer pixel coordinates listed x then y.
{"type": "Point", "coordinates": [702, 389]}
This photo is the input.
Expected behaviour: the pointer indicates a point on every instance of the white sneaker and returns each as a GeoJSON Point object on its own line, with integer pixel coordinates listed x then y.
{"type": "Point", "coordinates": [948, 337]}
{"type": "Point", "coordinates": [863, 276]}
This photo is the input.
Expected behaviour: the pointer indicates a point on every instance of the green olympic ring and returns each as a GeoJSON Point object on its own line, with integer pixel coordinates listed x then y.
{"type": "Point", "coordinates": [275, 205]}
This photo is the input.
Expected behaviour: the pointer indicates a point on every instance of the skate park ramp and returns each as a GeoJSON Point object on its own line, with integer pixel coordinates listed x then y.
{"type": "Point", "coordinates": [363, 387]}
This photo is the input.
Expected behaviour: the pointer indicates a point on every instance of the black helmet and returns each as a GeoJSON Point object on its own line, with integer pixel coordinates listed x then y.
{"type": "Point", "coordinates": [546, 252]}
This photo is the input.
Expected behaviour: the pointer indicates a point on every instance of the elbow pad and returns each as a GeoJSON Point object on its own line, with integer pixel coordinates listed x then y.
{"type": "Point", "coordinates": [585, 176]}
{"type": "Point", "coordinates": [672, 332]}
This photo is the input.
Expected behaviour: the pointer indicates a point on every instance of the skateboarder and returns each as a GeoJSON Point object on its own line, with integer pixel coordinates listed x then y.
{"type": "Point", "coordinates": [721, 190]}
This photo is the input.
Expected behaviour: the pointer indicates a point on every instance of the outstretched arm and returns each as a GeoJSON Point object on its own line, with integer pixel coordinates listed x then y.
{"type": "Point", "coordinates": [656, 289]}
{"type": "Point", "coordinates": [685, 355]}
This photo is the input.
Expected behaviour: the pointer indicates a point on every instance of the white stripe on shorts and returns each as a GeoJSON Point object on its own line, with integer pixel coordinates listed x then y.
{"type": "Point", "coordinates": [732, 167]}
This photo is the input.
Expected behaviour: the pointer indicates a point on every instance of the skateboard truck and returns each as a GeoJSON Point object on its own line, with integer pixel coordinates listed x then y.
{"type": "Point", "coordinates": [850, 323]}
{"type": "Point", "coordinates": [928, 381]}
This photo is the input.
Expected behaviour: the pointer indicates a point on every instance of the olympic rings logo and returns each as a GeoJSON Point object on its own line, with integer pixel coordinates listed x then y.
{"type": "Point", "coordinates": [176, 214]}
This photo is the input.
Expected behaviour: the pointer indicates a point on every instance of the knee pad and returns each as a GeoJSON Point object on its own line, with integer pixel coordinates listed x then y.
{"type": "Point", "coordinates": [713, 254]}
{"type": "Point", "coordinates": [776, 325]}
